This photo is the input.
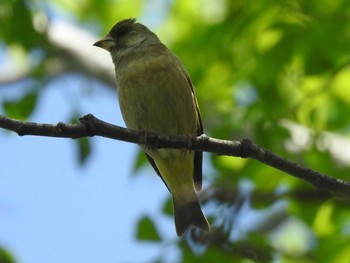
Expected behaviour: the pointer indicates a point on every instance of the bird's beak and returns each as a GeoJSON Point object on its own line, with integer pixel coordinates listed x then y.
{"type": "Point", "coordinates": [106, 43]}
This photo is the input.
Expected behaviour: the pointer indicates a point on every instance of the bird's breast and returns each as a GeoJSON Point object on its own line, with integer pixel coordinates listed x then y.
{"type": "Point", "coordinates": [154, 95]}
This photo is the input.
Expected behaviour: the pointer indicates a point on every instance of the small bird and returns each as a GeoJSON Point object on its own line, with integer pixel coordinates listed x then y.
{"type": "Point", "coordinates": [156, 95]}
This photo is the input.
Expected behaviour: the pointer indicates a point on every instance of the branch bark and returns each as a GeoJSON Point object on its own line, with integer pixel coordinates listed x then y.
{"type": "Point", "coordinates": [91, 126]}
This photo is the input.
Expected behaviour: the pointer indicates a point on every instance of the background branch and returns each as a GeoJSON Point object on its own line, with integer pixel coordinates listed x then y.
{"type": "Point", "coordinates": [91, 126]}
{"type": "Point", "coordinates": [66, 56]}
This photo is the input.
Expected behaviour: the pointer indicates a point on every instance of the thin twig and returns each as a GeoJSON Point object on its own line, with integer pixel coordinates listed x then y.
{"type": "Point", "coordinates": [91, 126]}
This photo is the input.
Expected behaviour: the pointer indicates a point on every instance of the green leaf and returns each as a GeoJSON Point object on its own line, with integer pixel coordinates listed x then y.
{"type": "Point", "coordinates": [168, 207]}
{"type": "Point", "coordinates": [22, 108]}
{"type": "Point", "coordinates": [146, 230]}
{"type": "Point", "coordinates": [84, 147]}
{"type": "Point", "coordinates": [83, 144]}
{"type": "Point", "coordinates": [18, 25]}
{"type": "Point", "coordinates": [5, 256]}
{"type": "Point", "coordinates": [140, 161]}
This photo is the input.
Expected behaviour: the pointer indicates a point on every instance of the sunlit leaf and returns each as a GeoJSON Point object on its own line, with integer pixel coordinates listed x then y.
{"type": "Point", "coordinates": [323, 224]}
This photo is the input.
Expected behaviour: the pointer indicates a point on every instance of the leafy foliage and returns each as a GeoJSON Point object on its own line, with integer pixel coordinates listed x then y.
{"type": "Point", "coordinates": [255, 65]}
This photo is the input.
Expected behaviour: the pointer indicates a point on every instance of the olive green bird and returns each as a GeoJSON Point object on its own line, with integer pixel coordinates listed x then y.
{"type": "Point", "coordinates": [156, 94]}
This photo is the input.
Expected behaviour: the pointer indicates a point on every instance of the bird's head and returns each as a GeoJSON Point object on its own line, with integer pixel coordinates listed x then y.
{"type": "Point", "coordinates": [125, 35]}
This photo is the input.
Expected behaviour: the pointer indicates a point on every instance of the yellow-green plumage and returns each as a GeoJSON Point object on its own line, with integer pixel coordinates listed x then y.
{"type": "Point", "coordinates": [156, 94]}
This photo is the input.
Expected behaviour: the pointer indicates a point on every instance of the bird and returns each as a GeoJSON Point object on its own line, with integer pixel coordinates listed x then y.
{"type": "Point", "coordinates": [156, 95]}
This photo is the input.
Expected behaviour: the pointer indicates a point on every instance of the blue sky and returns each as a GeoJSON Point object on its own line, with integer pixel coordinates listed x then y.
{"type": "Point", "coordinates": [53, 210]}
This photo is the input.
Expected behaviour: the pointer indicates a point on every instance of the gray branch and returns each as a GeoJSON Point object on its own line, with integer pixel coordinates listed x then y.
{"type": "Point", "coordinates": [91, 126]}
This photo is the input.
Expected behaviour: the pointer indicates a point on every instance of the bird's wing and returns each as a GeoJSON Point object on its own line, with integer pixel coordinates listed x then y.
{"type": "Point", "coordinates": [198, 156]}
{"type": "Point", "coordinates": [153, 163]}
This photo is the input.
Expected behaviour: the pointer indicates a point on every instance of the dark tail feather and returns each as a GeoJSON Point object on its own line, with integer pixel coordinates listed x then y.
{"type": "Point", "coordinates": [187, 214]}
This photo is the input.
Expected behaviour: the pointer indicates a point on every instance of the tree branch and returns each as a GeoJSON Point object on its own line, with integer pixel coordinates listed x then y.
{"type": "Point", "coordinates": [91, 126]}
{"type": "Point", "coordinates": [65, 56]}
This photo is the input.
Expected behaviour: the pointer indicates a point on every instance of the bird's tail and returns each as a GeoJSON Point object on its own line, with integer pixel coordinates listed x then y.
{"type": "Point", "coordinates": [187, 214]}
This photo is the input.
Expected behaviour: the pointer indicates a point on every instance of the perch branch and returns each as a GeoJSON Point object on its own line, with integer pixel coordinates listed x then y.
{"type": "Point", "coordinates": [91, 126]}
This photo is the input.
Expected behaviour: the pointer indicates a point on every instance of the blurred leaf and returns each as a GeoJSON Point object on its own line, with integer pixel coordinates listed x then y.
{"type": "Point", "coordinates": [140, 161]}
{"type": "Point", "coordinates": [6, 257]}
{"type": "Point", "coordinates": [255, 248]}
{"type": "Point", "coordinates": [306, 211]}
{"type": "Point", "coordinates": [343, 255]}
{"type": "Point", "coordinates": [84, 146]}
{"type": "Point", "coordinates": [263, 200]}
{"type": "Point", "coordinates": [146, 230]}
{"type": "Point", "coordinates": [168, 207]}
{"type": "Point", "coordinates": [338, 112]}
{"type": "Point", "coordinates": [19, 31]}
{"type": "Point", "coordinates": [333, 248]}
{"type": "Point", "coordinates": [289, 259]}
{"type": "Point", "coordinates": [340, 84]}
{"type": "Point", "coordinates": [323, 224]}
{"type": "Point", "coordinates": [214, 254]}
{"type": "Point", "coordinates": [22, 108]}
{"type": "Point", "coordinates": [231, 163]}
